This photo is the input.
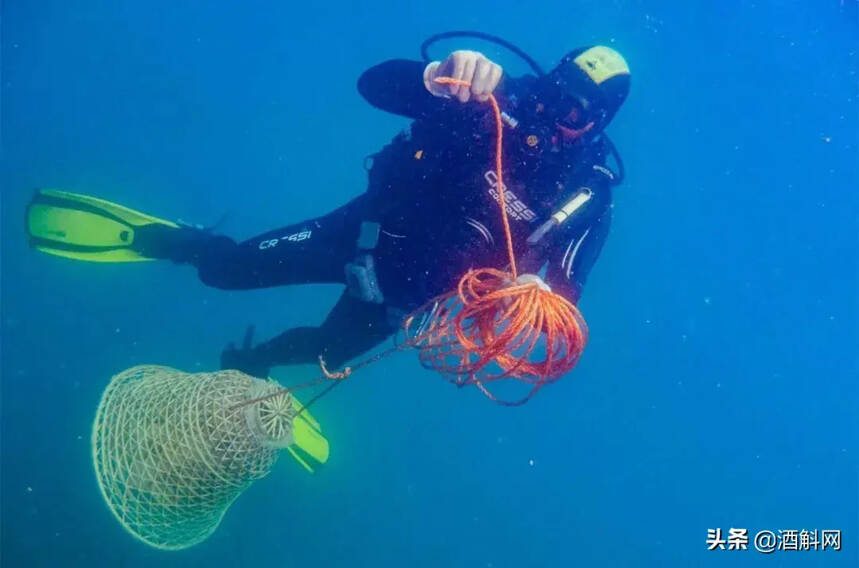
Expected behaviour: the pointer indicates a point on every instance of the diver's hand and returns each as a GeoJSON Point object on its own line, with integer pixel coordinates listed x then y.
{"type": "Point", "coordinates": [245, 358]}
{"type": "Point", "coordinates": [532, 279]}
{"type": "Point", "coordinates": [464, 65]}
{"type": "Point", "coordinates": [523, 280]}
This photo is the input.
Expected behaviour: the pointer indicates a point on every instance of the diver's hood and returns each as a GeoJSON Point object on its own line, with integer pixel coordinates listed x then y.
{"type": "Point", "coordinates": [596, 79]}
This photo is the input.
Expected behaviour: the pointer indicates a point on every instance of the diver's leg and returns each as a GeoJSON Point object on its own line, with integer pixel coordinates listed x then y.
{"type": "Point", "coordinates": [312, 251]}
{"type": "Point", "coordinates": [352, 328]}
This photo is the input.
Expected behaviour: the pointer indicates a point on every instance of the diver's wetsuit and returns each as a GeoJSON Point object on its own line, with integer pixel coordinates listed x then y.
{"type": "Point", "coordinates": [433, 193]}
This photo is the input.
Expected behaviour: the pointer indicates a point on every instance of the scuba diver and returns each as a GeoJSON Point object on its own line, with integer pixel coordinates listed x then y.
{"type": "Point", "coordinates": [430, 211]}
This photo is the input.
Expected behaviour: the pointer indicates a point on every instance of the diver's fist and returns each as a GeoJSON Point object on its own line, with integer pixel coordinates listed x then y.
{"type": "Point", "coordinates": [470, 66]}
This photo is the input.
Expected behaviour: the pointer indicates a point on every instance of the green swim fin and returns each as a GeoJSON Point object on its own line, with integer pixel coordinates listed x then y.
{"type": "Point", "coordinates": [85, 228]}
{"type": "Point", "coordinates": [310, 448]}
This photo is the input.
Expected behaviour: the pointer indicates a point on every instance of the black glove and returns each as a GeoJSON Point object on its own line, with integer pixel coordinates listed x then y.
{"type": "Point", "coordinates": [246, 359]}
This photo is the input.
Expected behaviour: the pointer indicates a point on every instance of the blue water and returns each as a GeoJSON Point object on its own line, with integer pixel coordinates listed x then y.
{"type": "Point", "coordinates": [719, 388]}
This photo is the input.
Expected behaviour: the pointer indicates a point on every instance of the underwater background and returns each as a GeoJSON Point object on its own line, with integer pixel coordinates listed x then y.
{"type": "Point", "coordinates": [719, 388]}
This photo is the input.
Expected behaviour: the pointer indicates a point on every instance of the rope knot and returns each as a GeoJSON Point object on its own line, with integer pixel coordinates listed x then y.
{"type": "Point", "coordinates": [334, 375]}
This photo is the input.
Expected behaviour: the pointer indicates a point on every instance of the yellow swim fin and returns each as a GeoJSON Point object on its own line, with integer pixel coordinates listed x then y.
{"type": "Point", "coordinates": [310, 448]}
{"type": "Point", "coordinates": [85, 228]}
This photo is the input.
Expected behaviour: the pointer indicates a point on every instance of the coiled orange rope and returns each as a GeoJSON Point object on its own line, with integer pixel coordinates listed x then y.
{"type": "Point", "coordinates": [496, 326]}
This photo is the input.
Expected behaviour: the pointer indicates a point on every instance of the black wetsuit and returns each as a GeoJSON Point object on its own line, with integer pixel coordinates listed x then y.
{"type": "Point", "coordinates": [433, 193]}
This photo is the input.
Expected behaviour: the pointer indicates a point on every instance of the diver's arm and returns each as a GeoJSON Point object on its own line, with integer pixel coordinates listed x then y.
{"type": "Point", "coordinates": [397, 86]}
{"type": "Point", "coordinates": [577, 244]}
{"type": "Point", "coordinates": [408, 88]}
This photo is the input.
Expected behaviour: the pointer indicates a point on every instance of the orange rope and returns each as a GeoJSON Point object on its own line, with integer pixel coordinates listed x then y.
{"type": "Point", "coordinates": [499, 143]}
